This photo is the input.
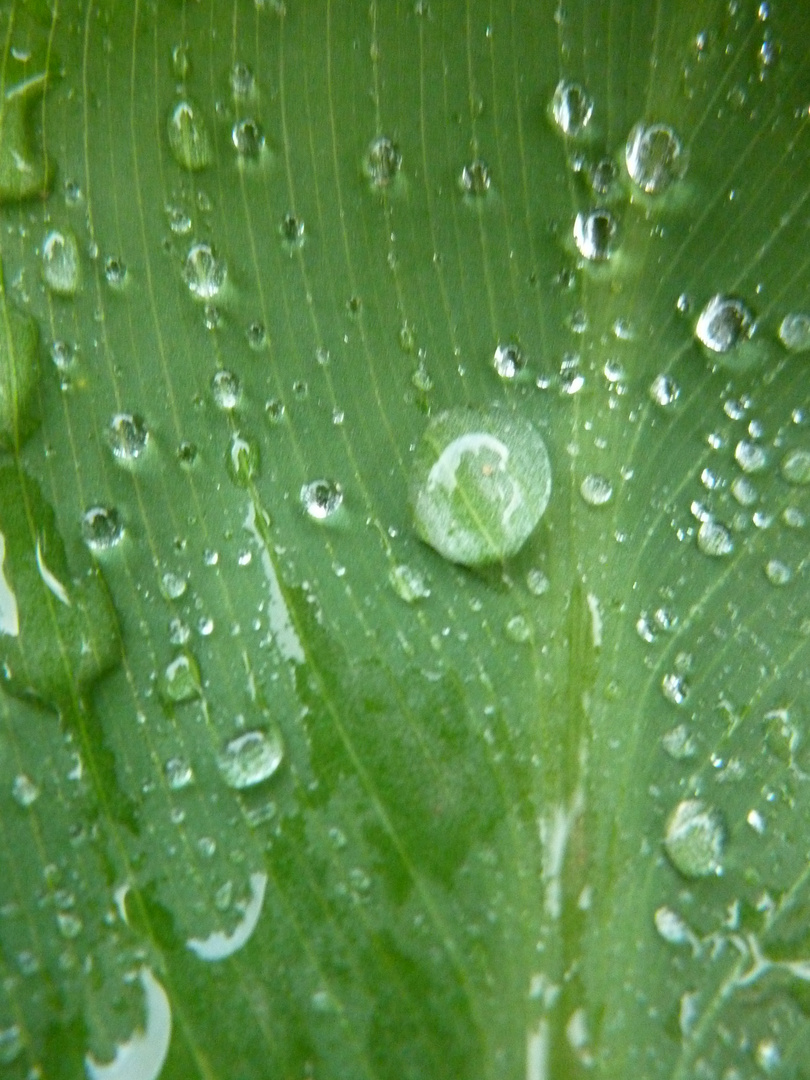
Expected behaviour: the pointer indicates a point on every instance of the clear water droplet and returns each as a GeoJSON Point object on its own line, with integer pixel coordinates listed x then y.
{"type": "Point", "coordinates": [102, 528]}
{"type": "Point", "coordinates": [115, 271]}
{"type": "Point", "coordinates": [744, 491]}
{"type": "Point", "coordinates": [128, 436]}
{"type": "Point", "coordinates": [256, 335]}
{"type": "Point", "coordinates": [24, 791]}
{"type": "Point", "coordinates": [408, 583]}
{"type": "Point", "coordinates": [179, 221]}
{"type": "Point", "coordinates": [181, 679]}
{"type": "Point", "coordinates": [60, 262]}
{"type": "Point", "coordinates": [595, 233]}
{"type": "Point", "coordinates": [179, 773]}
{"type": "Point", "coordinates": [63, 355]}
{"type": "Point", "coordinates": [242, 80]}
{"type": "Point", "coordinates": [794, 332]}
{"type": "Point", "coordinates": [251, 758]}
{"type": "Point", "coordinates": [172, 585]}
{"type": "Point", "coordinates": [203, 272]}
{"type": "Point", "coordinates": [321, 498]}
{"type": "Point", "coordinates": [242, 459]}
{"type": "Point", "coordinates": [654, 156]}
{"type": "Point", "coordinates": [723, 322]}
{"type": "Point", "coordinates": [664, 391]}
{"type": "Point", "coordinates": [187, 454]}
{"type": "Point", "coordinates": [382, 162]}
{"type": "Point", "coordinates": [777, 572]}
{"type": "Point", "coordinates": [480, 482]}
{"type": "Point", "coordinates": [475, 179]}
{"type": "Point", "coordinates": [181, 60]}
{"type": "Point", "coordinates": [694, 839]}
{"type": "Point", "coordinates": [248, 138]}
{"type": "Point", "coordinates": [188, 135]}
{"type": "Point", "coordinates": [571, 107]}
{"type": "Point", "coordinates": [292, 231]}
{"type": "Point", "coordinates": [714, 539]}
{"type": "Point", "coordinates": [596, 490]}
{"type": "Point", "coordinates": [751, 457]}
{"type": "Point", "coordinates": [796, 467]}
{"type": "Point", "coordinates": [226, 389]}
{"type": "Point", "coordinates": [509, 360]}
{"type": "Point", "coordinates": [518, 629]}
{"type": "Point", "coordinates": [537, 582]}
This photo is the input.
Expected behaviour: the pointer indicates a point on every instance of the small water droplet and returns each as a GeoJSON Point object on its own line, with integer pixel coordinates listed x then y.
{"type": "Point", "coordinates": [115, 271]}
{"type": "Point", "coordinates": [594, 234]}
{"type": "Point", "coordinates": [179, 773]}
{"type": "Point", "coordinates": [382, 162]}
{"type": "Point", "coordinates": [203, 272]}
{"type": "Point", "coordinates": [672, 927]}
{"type": "Point", "coordinates": [128, 436]}
{"type": "Point", "coordinates": [794, 332]}
{"type": "Point", "coordinates": [596, 490]}
{"type": "Point", "coordinates": [744, 491]}
{"type": "Point", "coordinates": [187, 454]}
{"type": "Point", "coordinates": [475, 179]}
{"type": "Point", "coordinates": [714, 539]}
{"type": "Point", "coordinates": [24, 791]}
{"type": "Point", "coordinates": [509, 361]}
{"type": "Point", "coordinates": [664, 391]}
{"type": "Point", "coordinates": [571, 107]}
{"type": "Point", "coordinates": [189, 140]}
{"type": "Point", "coordinates": [518, 629]}
{"type": "Point", "coordinates": [60, 262]}
{"type": "Point", "coordinates": [242, 80]}
{"type": "Point", "coordinates": [179, 221]}
{"type": "Point", "coordinates": [604, 175]}
{"type": "Point", "coordinates": [654, 156]}
{"type": "Point", "coordinates": [321, 498]}
{"type": "Point", "coordinates": [777, 572]}
{"type": "Point", "coordinates": [796, 467]}
{"type": "Point", "coordinates": [248, 138]}
{"type": "Point", "coordinates": [181, 61]}
{"type": "Point", "coordinates": [292, 231]}
{"type": "Point", "coordinates": [251, 758]}
{"type": "Point", "coordinates": [69, 924]}
{"type": "Point", "coordinates": [723, 322]}
{"type": "Point", "coordinates": [226, 389]}
{"type": "Point", "coordinates": [694, 839]}
{"type": "Point", "coordinates": [102, 528]}
{"type": "Point", "coordinates": [63, 355]}
{"type": "Point", "coordinates": [274, 410]}
{"type": "Point", "coordinates": [537, 582]}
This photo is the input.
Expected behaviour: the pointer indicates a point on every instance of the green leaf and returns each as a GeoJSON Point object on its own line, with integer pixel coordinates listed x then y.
{"type": "Point", "coordinates": [293, 782]}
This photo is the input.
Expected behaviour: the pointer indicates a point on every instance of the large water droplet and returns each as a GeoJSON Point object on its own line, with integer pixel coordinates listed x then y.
{"type": "Point", "coordinates": [321, 498]}
{"type": "Point", "coordinates": [480, 483]}
{"type": "Point", "coordinates": [751, 457]}
{"type": "Point", "coordinates": [796, 467]}
{"type": "Point", "coordinates": [60, 262]}
{"type": "Point", "coordinates": [128, 436]}
{"type": "Point", "coordinates": [102, 528]}
{"type": "Point", "coordinates": [654, 157]}
{"type": "Point", "coordinates": [251, 758]}
{"type": "Point", "coordinates": [794, 332]}
{"type": "Point", "coordinates": [714, 539]}
{"type": "Point", "coordinates": [382, 162]}
{"type": "Point", "coordinates": [24, 171]}
{"type": "Point", "coordinates": [188, 137]}
{"type": "Point", "coordinates": [595, 233]}
{"type": "Point", "coordinates": [203, 272]}
{"type": "Point", "coordinates": [571, 107]}
{"type": "Point", "coordinates": [694, 839]}
{"type": "Point", "coordinates": [723, 322]}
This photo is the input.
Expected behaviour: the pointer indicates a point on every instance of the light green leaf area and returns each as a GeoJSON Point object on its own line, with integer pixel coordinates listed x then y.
{"type": "Point", "coordinates": [284, 791]}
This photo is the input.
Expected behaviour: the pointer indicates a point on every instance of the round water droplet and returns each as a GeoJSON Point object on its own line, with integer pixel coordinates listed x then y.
{"type": "Point", "coordinates": [188, 137]}
{"type": "Point", "coordinates": [694, 839]}
{"type": "Point", "coordinates": [594, 234]}
{"type": "Point", "coordinates": [537, 582]}
{"type": "Point", "coordinates": [475, 179]}
{"type": "Point", "coordinates": [12, 1044]}
{"type": "Point", "coordinates": [274, 410]}
{"type": "Point", "coordinates": [409, 584]}
{"type": "Point", "coordinates": [203, 272]}
{"type": "Point", "coordinates": [60, 262]}
{"type": "Point", "coordinates": [509, 361]}
{"type": "Point", "coordinates": [796, 467]}
{"type": "Point", "coordinates": [179, 221]}
{"type": "Point", "coordinates": [321, 498]}
{"type": "Point", "coordinates": [227, 389]}
{"type": "Point", "coordinates": [24, 791]}
{"type": "Point", "coordinates": [664, 391]}
{"type": "Point", "coordinates": [723, 322]}
{"type": "Point", "coordinates": [382, 162]}
{"type": "Point", "coordinates": [242, 459]}
{"type": "Point", "coordinates": [654, 156]}
{"type": "Point", "coordinates": [256, 335]}
{"type": "Point", "coordinates": [179, 773]}
{"type": "Point", "coordinates": [518, 628]}
{"type": "Point", "coordinates": [292, 231]}
{"type": "Point", "coordinates": [251, 758]}
{"type": "Point", "coordinates": [596, 490]}
{"type": "Point", "coordinates": [173, 586]}
{"type": "Point", "coordinates": [128, 436]}
{"type": "Point", "coordinates": [744, 491]}
{"type": "Point", "coordinates": [63, 354]}
{"type": "Point", "coordinates": [675, 688]}
{"type": "Point", "coordinates": [242, 80]}
{"type": "Point", "coordinates": [794, 332]}
{"type": "Point", "coordinates": [571, 107]}
{"type": "Point", "coordinates": [714, 539]}
{"type": "Point", "coordinates": [115, 271]}
{"type": "Point", "coordinates": [248, 138]}
{"type": "Point", "coordinates": [777, 572]}
{"type": "Point", "coordinates": [181, 679]}
{"type": "Point", "coordinates": [480, 482]}
{"type": "Point", "coordinates": [102, 528]}
{"type": "Point", "coordinates": [751, 457]}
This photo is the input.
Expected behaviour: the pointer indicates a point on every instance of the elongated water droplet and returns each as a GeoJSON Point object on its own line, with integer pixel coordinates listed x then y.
{"type": "Point", "coordinates": [188, 137]}
{"type": "Point", "coordinates": [19, 369]}
{"type": "Point", "coordinates": [203, 272]}
{"type": "Point", "coordinates": [252, 758]}
{"type": "Point", "coordinates": [242, 459]}
{"type": "Point", "coordinates": [24, 171]}
{"type": "Point", "coordinates": [723, 322]}
{"type": "Point", "coordinates": [571, 107]}
{"type": "Point", "coordinates": [694, 839]}
{"type": "Point", "coordinates": [654, 156]}
{"type": "Point", "coordinates": [480, 483]}
{"type": "Point", "coordinates": [60, 262]}
{"type": "Point", "coordinates": [181, 680]}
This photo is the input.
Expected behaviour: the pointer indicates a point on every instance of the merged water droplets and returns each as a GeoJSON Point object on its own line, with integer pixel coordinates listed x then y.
{"type": "Point", "coordinates": [382, 162]}
{"type": "Point", "coordinates": [188, 137]}
{"type": "Point", "coordinates": [595, 234]}
{"type": "Point", "coordinates": [128, 436]}
{"type": "Point", "coordinates": [694, 839]}
{"type": "Point", "coordinates": [321, 499]}
{"type": "Point", "coordinates": [251, 758]}
{"type": "Point", "coordinates": [571, 107]}
{"type": "Point", "coordinates": [204, 272]}
{"type": "Point", "coordinates": [60, 262]}
{"type": "Point", "coordinates": [654, 157]}
{"type": "Point", "coordinates": [480, 483]}
{"type": "Point", "coordinates": [723, 322]}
